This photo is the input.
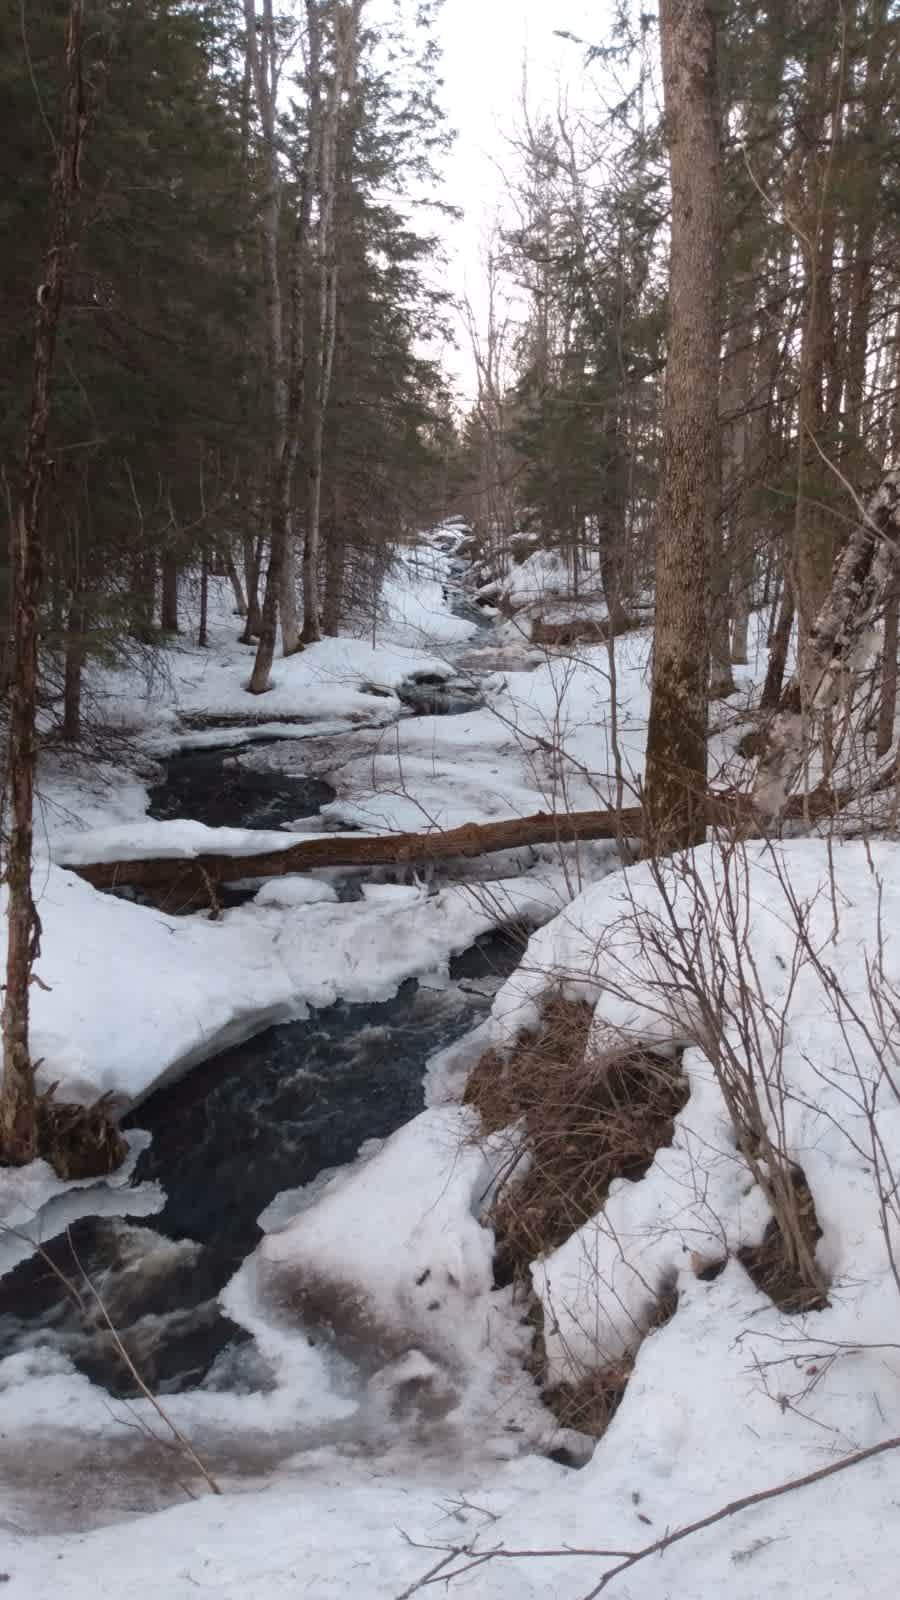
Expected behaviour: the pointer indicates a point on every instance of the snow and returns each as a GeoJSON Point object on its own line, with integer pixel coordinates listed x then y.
{"type": "Point", "coordinates": [412, 603]}
{"type": "Point", "coordinates": [331, 681]}
{"type": "Point", "coordinates": [169, 841]}
{"type": "Point", "coordinates": [391, 1264]}
{"type": "Point", "coordinates": [36, 1205]}
{"type": "Point", "coordinates": [618, 945]}
{"type": "Point", "coordinates": [134, 998]}
{"type": "Point", "coordinates": [296, 890]}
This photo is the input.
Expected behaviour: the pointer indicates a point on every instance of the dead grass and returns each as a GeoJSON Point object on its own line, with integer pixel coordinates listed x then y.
{"type": "Point", "coordinates": [78, 1141]}
{"type": "Point", "coordinates": [582, 1121]}
{"type": "Point", "coordinates": [772, 1264]}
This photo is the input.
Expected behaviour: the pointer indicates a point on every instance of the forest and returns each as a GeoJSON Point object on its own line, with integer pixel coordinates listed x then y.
{"type": "Point", "coordinates": [450, 1091]}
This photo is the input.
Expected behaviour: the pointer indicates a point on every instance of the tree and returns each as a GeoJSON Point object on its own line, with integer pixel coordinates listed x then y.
{"type": "Point", "coordinates": [18, 1119]}
{"type": "Point", "coordinates": [677, 733]}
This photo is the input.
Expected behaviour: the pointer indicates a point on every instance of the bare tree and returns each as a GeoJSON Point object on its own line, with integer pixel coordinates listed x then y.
{"type": "Point", "coordinates": [677, 733]}
{"type": "Point", "coordinates": [18, 1121]}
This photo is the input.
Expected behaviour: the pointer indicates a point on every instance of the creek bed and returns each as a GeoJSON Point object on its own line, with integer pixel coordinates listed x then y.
{"type": "Point", "coordinates": [265, 1116]}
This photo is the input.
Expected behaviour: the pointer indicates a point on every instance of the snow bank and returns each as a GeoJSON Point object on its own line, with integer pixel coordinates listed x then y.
{"type": "Point", "coordinates": [543, 743]}
{"type": "Point", "coordinates": [391, 1258]}
{"type": "Point", "coordinates": [177, 840]}
{"type": "Point", "coordinates": [134, 997]}
{"type": "Point", "coordinates": [413, 600]}
{"type": "Point", "coordinates": [829, 1054]}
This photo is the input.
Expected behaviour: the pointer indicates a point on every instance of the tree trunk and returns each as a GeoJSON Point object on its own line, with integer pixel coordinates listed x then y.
{"type": "Point", "coordinates": [677, 732]}
{"type": "Point", "coordinates": [252, 559]}
{"type": "Point", "coordinates": [290, 624]}
{"type": "Point", "coordinates": [721, 679]}
{"type": "Point", "coordinates": [346, 48]}
{"type": "Point", "coordinates": [143, 587]}
{"type": "Point", "coordinates": [814, 526]}
{"type": "Point", "coordinates": [203, 630]}
{"type": "Point", "coordinates": [168, 600]}
{"type": "Point", "coordinates": [75, 654]}
{"type": "Point", "coordinates": [335, 560]}
{"type": "Point", "coordinates": [240, 603]}
{"type": "Point", "coordinates": [778, 650]}
{"type": "Point", "coordinates": [887, 708]}
{"type": "Point", "coordinates": [828, 655]}
{"type": "Point", "coordinates": [18, 1119]}
{"type": "Point", "coordinates": [180, 883]}
{"type": "Point", "coordinates": [261, 49]}
{"type": "Point", "coordinates": [187, 881]}
{"type": "Point", "coordinates": [287, 361]}
{"type": "Point", "coordinates": [268, 621]}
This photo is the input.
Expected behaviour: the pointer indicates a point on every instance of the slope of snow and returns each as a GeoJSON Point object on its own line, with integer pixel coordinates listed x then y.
{"type": "Point", "coordinates": [329, 680]}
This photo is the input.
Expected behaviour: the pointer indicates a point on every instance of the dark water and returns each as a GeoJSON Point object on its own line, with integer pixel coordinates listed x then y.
{"type": "Point", "coordinates": [266, 1116]}
{"type": "Point", "coordinates": [213, 786]}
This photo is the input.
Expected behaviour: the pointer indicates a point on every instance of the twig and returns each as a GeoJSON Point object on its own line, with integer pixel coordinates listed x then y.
{"type": "Point", "coordinates": [183, 1442]}
{"type": "Point", "coordinates": [734, 1506]}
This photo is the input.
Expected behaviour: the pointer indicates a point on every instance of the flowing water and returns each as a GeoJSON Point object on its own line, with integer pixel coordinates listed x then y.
{"type": "Point", "coordinates": [265, 1116]}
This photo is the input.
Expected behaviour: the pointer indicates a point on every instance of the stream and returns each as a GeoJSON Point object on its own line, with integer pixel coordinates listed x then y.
{"type": "Point", "coordinates": [263, 1117]}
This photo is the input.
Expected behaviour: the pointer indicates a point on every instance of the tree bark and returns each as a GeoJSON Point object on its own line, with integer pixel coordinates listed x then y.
{"type": "Point", "coordinates": [76, 628]}
{"type": "Point", "coordinates": [829, 654]}
{"type": "Point", "coordinates": [346, 48]}
{"type": "Point", "coordinates": [677, 732]}
{"type": "Point", "coordinates": [18, 1120]}
{"type": "Point", "coordinates": [203, 630]}
{"type": "Point", "coordinates": [240, 603]}
{"type": "Point", "coordinates": [887, 708]}
{"type": "Point", "coordinates": [778, 650]}
{"type": "Point", "coordinates": [168, 599]}
{"type": "Point", "coordinates": [252, 558]}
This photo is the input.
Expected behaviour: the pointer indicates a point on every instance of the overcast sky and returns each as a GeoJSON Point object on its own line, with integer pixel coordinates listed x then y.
{"type": "Point", "coordinates": [485, 43]}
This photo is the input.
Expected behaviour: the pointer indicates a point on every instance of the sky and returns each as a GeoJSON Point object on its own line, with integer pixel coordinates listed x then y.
{"type": "Point", "coordinates": [487, 44]}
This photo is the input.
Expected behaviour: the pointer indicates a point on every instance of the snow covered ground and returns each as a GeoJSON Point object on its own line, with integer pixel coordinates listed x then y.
{"type": "Point", "coordinates": [729, 1398]}
{"type": "Point", "coordinates": [412, 1430]}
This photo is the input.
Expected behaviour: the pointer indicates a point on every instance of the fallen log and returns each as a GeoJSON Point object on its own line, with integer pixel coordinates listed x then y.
{"type": "Point", "coordinates": [580, 630]}
{"type": "Point", "coordinates": [180, 882]}
{"type": "Point", "coordinates": [188, 880]}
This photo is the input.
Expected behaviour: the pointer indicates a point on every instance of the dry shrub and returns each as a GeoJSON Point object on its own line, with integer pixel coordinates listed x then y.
{"type": "Point", "coordinates": [588, 1404]}
{"type": "Point", "coordinates": [583, 1121]}
{"type": "Point", "coordinates": [772, 1264]}
{"type": "Point", "coordinates": [79, 1141]}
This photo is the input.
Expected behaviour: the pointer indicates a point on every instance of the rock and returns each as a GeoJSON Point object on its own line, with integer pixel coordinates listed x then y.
{"type": "Point", "coordinates": [429, 695]}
